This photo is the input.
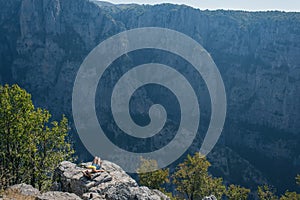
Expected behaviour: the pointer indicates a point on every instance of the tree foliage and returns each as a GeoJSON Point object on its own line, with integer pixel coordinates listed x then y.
{"type": "Point", "coordinates": [265, 192]}
{"type": "Point", "coordinates": [192, 180]}
{"type": "Point", "coordinates": [30, 146]}
{"type": "Point", "coordinates": [236, 192]}
{"type": "Point", "coordinates": [298, 179]}
{"type": "Point", "coordinates": [290, 196]}
{"type": "Point", "coordinates": [214, 186]}
{"type": "Point", "coordinates": [154, 179]}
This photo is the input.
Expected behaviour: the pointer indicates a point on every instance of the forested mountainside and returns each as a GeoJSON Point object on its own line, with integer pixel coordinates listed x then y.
{"type": "Point", "coordinates": [43, 43]}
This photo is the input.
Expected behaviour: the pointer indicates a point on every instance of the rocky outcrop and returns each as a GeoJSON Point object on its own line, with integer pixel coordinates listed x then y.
{"type": "Point", "coordinates": [54, 195]}
{"type": "Point", "coordinates": [70, 184]}
{"type": "Point", "coordinates": [113, 184]}
{"type": "Point", "coordinates": [211, 197]}
{"type": "Point", "coordinates": [28, 192]}
{"type": "Point", "coordinates": [25, 189]}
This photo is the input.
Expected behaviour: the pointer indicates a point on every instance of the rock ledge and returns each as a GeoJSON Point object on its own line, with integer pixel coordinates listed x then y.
{"type": "Point", "coordinates": [113, 184]}
{"type": "Point", "coordinates": [70, 184]}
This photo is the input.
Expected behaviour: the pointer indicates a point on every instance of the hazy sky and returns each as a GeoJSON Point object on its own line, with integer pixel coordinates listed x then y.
{"type": "Point", "coordinates": [252, 5]}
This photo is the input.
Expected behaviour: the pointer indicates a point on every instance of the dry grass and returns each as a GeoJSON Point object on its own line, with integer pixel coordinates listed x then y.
{"type": "Point", "coordinates": [15, 195]}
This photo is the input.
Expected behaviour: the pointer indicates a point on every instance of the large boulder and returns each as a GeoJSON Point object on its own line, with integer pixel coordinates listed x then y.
{"type": "Point", "coordinates": [24, 189]}
{"type": "Point", "coordinates": [28, 192]}
{"type": "Point", "coordinates": [211, 197]}
{"type": "Point", "coordinates": [69, 178]}
{"type": "Point", "coordinates": [113, 184]}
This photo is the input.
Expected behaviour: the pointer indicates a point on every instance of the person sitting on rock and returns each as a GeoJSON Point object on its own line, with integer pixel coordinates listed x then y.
{"type": "Point", "coordinates": [94, 168]}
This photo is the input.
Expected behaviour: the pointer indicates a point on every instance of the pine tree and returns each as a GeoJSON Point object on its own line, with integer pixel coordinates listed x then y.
{"type": "Point", "coordinates": [193, 181]}
{"type": "Point", "coordinates": [30, 146]}
{"type": "Point", "coordinates": [236, 192]}
{"type": "Point", "coordinates": [290, 196]}
{"type": "Point", "coordinates": [266, 193]}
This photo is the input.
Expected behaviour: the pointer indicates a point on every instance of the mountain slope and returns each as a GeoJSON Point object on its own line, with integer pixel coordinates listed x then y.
{"type": "Point", "coordinates": [43, 43]}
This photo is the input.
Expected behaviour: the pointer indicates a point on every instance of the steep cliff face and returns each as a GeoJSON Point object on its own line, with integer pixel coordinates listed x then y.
{"type": "Point", "coordinates": [257, 53]}
{"type": "Point", "coordinates": [46, 43]}
{"type": "Point", "coordinates": [258, 56]}
{"type": "Point", "coordinates": [43, 43]}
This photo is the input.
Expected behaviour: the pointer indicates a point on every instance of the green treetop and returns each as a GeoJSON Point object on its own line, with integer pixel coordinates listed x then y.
{"type": "Point", "coordinates": [236, 192]}
{"type": "Point", "coordinates": [30, 145]}
{"type": "Point", "coordinates": [266, 193]}
{"type": "Point", "coordinates": [193, 181]}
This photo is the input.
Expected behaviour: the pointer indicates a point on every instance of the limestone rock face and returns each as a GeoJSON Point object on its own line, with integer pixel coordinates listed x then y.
{"type": "Point", "coordinates": [24, 189]}
{"type": "Point", "coordinates": [211, 197]}
{"type": "Point", "coordinates": [70, 179]}
{"type": "Point", "coordinates": [54, 195]}
{"type": "Point", "coordinates": [113, 184]}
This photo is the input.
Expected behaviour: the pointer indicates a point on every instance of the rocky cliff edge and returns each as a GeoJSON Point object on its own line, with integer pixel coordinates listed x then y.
{"type": "Point", "coordinates": [70, 184]}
